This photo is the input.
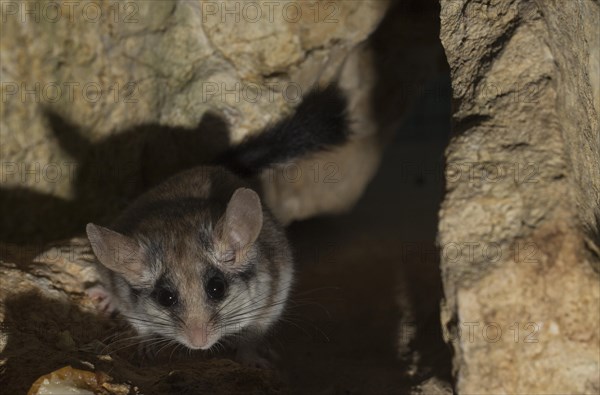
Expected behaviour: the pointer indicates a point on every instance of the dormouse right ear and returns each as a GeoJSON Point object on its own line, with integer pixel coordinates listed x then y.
{"type": "Point", "coordinates": [117, 252]}
{"type": "Point", "coordinates": [239, 227]}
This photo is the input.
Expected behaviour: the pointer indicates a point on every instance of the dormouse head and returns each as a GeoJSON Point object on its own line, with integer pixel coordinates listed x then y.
{"type": "Point", "coordinates": [191, 275]}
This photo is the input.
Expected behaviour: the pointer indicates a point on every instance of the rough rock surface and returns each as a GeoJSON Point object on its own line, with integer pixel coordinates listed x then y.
{"type": "Point", "coordinates": [101, 100]}
{"type": "Point", "coordinates": [519, 224]}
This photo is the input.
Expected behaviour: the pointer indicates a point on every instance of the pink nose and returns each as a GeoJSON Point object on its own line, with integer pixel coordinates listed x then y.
{"type": "Point", "coordinates": [198, 336]}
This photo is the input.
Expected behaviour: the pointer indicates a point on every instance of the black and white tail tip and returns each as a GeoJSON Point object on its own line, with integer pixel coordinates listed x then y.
{"type": "Point", "coordinates": [319, 123]}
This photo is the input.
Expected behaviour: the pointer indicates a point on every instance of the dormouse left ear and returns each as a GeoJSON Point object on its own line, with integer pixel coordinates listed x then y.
{"type": "Point", "coordinates": [240, 226]}
{"type": "Point", "coordinates": [117, 252]}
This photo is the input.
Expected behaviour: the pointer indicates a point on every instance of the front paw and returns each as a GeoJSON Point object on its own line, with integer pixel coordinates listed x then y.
{"type": "Point", "coordinates": [103, 299]}
{"type": "Point", "coordinates": [250, 356]}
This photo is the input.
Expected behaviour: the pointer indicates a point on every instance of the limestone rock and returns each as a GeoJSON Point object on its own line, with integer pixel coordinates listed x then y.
{"type": "Point", "coordinates": [101, 100]}
{"type": "Point", "coordinates": [432, 386]}
{"type": "Point", "coordinates": [519, 224]}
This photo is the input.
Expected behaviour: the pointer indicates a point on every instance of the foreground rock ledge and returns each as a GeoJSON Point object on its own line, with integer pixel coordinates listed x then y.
{"type": "Point", "coordinates": [519, 224]}
{"type": "Point", "coordinates": [48, 323]}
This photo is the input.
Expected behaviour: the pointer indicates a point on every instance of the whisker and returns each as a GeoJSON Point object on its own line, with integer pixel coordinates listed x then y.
{"type": "Point", "coordinates": [265, 295]}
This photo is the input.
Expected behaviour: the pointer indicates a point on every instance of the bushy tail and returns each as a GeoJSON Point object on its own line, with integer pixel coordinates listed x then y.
{"type": "Point", "coordinates": [319, 123]}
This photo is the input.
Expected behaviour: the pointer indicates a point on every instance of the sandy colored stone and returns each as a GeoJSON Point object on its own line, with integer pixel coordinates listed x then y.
{"type": "Point", "coordinates": [518, 226]}
{"type": "Point", "coordinates": [432, 386]}
{"type": "Point", "coordinates": [112, 70]}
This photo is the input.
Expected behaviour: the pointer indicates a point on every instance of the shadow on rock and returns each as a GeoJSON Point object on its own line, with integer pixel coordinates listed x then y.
{"type": "Point", "coordinates": [106, 175]}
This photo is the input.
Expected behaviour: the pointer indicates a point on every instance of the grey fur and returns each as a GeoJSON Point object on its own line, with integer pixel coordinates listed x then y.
{"type": "Point", "coordinates": [175, 225]}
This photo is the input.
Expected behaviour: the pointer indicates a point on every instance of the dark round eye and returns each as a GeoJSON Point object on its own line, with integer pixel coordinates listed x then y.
{"type": "Point", "coordinates": [165, 297]}
{"type": "Point", "coordinates": [215, 287]}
